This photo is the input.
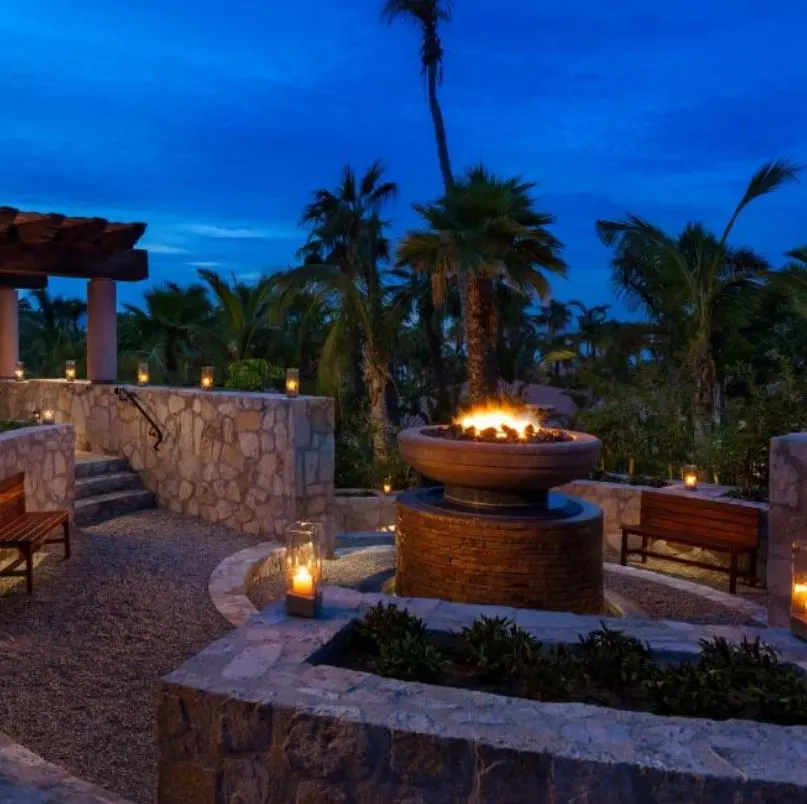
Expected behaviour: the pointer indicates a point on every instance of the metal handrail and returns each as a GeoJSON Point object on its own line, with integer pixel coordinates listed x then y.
{"type": "Point", "coordinates": [125, 395]}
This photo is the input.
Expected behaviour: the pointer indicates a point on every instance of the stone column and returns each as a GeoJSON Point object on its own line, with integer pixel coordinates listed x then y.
{"type": "Point", "coordinates": [787, 523]}
{"type": "Point", "coordinates": [9, 333]}
{"type": "Point", "coordinates": [102, 331]}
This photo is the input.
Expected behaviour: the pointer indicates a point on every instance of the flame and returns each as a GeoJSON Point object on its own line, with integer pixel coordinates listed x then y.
{"type": "Point", "coordinates": [498, 416]}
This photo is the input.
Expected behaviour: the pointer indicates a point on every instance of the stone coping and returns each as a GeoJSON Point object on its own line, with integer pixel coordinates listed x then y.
{"type": "Point", "coordinates": [631, 756]}
{"type": "Point", "coordinates": [171, 389]}
{"type": "Point", "coordinates": [17, 432]}
{"type": "Point", "coordinates": [26, 778]}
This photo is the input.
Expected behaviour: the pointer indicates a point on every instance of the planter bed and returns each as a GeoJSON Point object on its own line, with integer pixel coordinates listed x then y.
{"type": "Point", "coordinates": [256, 717]}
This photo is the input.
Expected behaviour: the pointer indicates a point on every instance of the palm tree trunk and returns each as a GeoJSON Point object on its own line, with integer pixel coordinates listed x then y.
{"type": "Point", "coordinates": [482, 364]}
{"type": "Point", "coordinates": [375, 378]}
{"type": "Point", "coordinates": [704, 380]}
{"type": "Point", "coordinates": [439, 127]}
{"type": "Point", "coordinates": [436, 363]}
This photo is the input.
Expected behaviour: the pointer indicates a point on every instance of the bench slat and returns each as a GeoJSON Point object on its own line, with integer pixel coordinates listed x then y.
{"type": "Point", "coordinates": [31, 527]}
{"type": "Point", "coordinates": [696, 541]}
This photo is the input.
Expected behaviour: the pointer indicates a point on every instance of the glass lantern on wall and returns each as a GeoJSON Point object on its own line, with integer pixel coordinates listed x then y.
{"type": "Point", "coordinates": [19, 372]}
{"type": "Point", "coordinates": [691, 477]}
{"type": "Point", "coordinates": [292, 382]}
{"type": "Point", "coordinates": [70, 370]}
{"type": "Point", "coordinates": [207, 377]}
{"type": "Point", "coordinates": [143, 374]}
{"type": "Point", "coordinates": [304, 551]}
{"type": "Point", "coordinates": [798, 598]}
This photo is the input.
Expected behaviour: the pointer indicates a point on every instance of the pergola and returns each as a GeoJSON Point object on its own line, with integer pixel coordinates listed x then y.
{"type": "Point", "coordinates": [34, 246]}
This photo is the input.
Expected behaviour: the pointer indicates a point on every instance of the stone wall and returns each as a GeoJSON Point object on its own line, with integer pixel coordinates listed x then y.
{"type": "Point", "coordinates": [788, 520]}
{"type": "Point", "coordinates": [253, 462]}
{"type": "Point", "coordinates": [47, 456]}
{"type": "Point", "coordinates": [257, 717]}
{"type": "Point", "coordinates": [359, 511]}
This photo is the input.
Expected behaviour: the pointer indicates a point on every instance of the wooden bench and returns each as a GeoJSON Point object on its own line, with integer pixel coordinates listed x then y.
{"type": "Point", "coordinates": [722, 527]}
{"type": "Point", "coordinates": [27, 531]}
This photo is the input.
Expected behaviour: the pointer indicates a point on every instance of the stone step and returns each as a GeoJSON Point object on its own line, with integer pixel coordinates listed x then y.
{"type": "Point", "coordinates": [92, 467]}
{"type": "Point", "coordinates": [92, 510]}
{"type": "Point", "coordinates": [106, 483]}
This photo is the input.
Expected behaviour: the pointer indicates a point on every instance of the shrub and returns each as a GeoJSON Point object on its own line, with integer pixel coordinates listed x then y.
{"type": "Point", "coordinates": [383, 623]}
{"type": "Point", "coordinates": [253, 375]}
{"type": "Point", "coordinates": [499, 649]}
{"type": "Point", "coordinates": [410, 658]}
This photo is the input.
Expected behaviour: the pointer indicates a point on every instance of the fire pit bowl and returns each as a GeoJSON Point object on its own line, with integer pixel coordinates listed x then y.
{"type": "Point", "coordinates": [498, 473]}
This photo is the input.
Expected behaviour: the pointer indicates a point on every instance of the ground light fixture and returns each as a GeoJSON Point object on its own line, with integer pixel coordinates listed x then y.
{"type": "Point", "coordinates": [303, 568]}
{"type": "Point", "coordinates": [387, 485]}
{"type": "Point", "coordinates": [292, 382]}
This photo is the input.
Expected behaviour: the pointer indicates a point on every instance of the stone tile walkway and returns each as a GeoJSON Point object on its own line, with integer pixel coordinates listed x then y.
{"type": "Point", "coordinates": [80, 658]}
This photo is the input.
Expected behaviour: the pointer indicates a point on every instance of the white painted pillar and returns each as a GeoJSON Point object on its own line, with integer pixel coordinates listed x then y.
{"type": "Point", "coordinates": [9, 333]}
{"type": "Point", "coordinates": [102, 331]}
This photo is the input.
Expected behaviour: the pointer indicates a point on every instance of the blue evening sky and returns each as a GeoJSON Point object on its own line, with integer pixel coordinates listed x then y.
{"type": "Point", "coordinates": [213, 122]}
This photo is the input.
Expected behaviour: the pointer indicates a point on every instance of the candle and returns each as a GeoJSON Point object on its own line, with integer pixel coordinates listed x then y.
{"type": "Point", "coordinates": [19, 371]}
{"type": "Point", "coordinates": [48, 417]}
{"type": "Point", "coordinates": [292, 382]}
{"type": "Point", "coordinates": [207, 377]}
{"type": "Point", "coordinates": [143, 374]}
{"type": "Point", "coordinates": [302, 583]}
{"type": "Point", "coordinates": [387, 485]}
{"type": "Point", "coordinates": [690, 477]}
{"type": "Point", "coordinates": [70, 370]}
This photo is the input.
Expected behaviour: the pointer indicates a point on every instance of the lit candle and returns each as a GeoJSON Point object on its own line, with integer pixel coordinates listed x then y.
{"type": "Point", "coordinates": [207, 377]}
{"type": "Point", "coordinates": [292, 382]}
{"type": "Point", "coordinates": [387, 485]}
{"type": "Point", "coordinates": [19, 372]}
{"type": "Point", "coordinates": [48, 416]}
{"type": "Point", "coordinates": [143, 374]}
{"type": "Point", "coordinates": [302, 583]}
{"type": "Point", "coordinates": [70, 370]}
{"type": "Point", "coordinates": [691, 478]}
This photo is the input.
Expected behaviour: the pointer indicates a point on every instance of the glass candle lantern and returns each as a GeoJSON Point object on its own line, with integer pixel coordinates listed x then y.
{"type": "Point", "coordinates": [19, 372]}
{"type": "Point", "coordinates": [36, 416]}
{"type": "Point", "coordinates": [292, 382]}
{"type": "Point", "coordinates": [143, 374]}
{"type": "Point", "coordinates": [70, 370]}
{"type": "Point", "coordinates": [48, 416]}
{"type": "Point", "coordinates": [691, 478]}
{"type": "Point", "coordinates": [798, 598]}
{"type": "Point", "coordinates": [207, 377]}
{"type": "Point", "coordinates": [387, 485]}
{"type": "Point", "coordinates": [304, 548]}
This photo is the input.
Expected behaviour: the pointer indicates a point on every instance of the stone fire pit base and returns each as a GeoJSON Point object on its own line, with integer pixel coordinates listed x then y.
{"type": "Point", "coordinates": [525, 559]}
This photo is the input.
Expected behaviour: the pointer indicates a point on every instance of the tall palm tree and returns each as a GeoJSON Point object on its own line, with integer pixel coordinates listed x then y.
{"type": "Point", "coordinates": [427, 16]}
{"type": "Point", "coordinates": [341, 273]}
{"type": "Point", "coordinates": [488, 229]}
{"type": "Point", "coordinates": [693, 281]}
{"type": "Point", "coordinates": [555, 317]}
{"type": "Point", "coordinates": [242, 312]}
{"type": "Point", "coordinates": [51, 331]}
{"type": "Point", "coordinates": [590, 322]}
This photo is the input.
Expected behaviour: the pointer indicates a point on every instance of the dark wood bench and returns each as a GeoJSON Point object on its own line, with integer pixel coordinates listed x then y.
{"type": "Point", "coordinates": [722, 527]}
{"type": "Point", "coordinates": [27, 531]}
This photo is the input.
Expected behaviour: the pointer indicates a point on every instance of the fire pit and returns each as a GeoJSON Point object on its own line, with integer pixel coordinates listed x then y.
{"type": "Point", "coordinates": [494, 533]}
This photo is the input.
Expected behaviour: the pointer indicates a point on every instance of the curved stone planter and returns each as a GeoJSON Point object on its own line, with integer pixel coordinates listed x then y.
{"type": "Point", "coordinates": [362, 511]}
{"type": "Point", "coordinates": [343, 735]}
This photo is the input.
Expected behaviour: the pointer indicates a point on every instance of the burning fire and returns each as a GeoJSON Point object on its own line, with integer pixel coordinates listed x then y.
{"type": "Point", "coordinates": [508, 421]}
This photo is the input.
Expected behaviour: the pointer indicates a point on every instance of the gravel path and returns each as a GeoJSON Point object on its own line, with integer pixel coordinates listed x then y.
{"type": "Point", "coordinates": [80, 658]}
{"type": "Point", "coordinates": [367, 568]}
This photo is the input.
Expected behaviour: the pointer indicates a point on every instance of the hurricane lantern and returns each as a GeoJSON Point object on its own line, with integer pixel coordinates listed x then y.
{"type": "Point", "coordinates": [70, 370]}
{"type": "Point", "coordinates": [387, 485]}
{"type": "Point", "coordinates": [143, 376]}
{"type": "Point", "coordinates": [19, 372]}
{"type": "Point", "coordinates": [48, 416]}
{"type": "Point", "coordinates": [207, 377]}
{"type": "Point", "coordinates": [798, 599]}
{"type": "Point", "coordinates": [304, 550]}
{"type": "Point", "coordinates": [292, 382]}
{"type": "Point", "coordinates": [691, 478]}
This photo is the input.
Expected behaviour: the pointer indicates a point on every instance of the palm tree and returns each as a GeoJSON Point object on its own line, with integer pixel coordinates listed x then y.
{"type": "Point", "coordinates": [51, 331]}
{"type": "Point", "coordinates": [342, 275]}
{"type": "Point", "coordinates": [242, 312]}
{"type": "Point", "coordinates": [693, 282]}
{"type": "Point", "coordinates": [555, 317]}
{"type": "Point", "coordinates": [487, 229]}
{"type": "Point", "coordinates": [170, 326]}
{"type": "Point", "coordinates": [590, 326]}
{"type": "Point", "coordinates": [427, 15]}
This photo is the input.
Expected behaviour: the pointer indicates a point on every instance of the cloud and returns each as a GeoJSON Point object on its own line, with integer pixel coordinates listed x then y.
{"type": "Point", "coordinates": [236, 233]}
{"type": "Point", "coordinates": [162, 249]}
{"type": "Point", "coordinates": [207, 264]}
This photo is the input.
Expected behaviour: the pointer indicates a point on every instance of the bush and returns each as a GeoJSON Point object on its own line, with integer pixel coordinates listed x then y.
{"type": "Point", "coordinates": [387, 622]}
{"type": "Point", "coordinates": [499, 649]}
{"type": "Point", "coordinates": [410, 658]}
{"type": "Point", "coordinates": [254, 375]}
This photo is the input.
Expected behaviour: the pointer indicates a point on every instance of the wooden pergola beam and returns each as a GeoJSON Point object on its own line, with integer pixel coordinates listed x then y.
{"type": "Point", "coordinates": [125, 266]}
{"type": "Point", "coordinates": [23, 281]}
